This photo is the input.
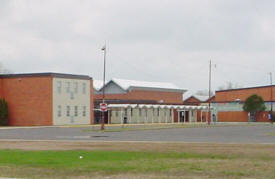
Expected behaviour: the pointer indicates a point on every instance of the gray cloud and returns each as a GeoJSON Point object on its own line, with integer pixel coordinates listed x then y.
{"type": "Point", "coordinates": [147, 40]}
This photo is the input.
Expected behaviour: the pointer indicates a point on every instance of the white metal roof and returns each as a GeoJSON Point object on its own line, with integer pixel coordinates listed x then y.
{"type": "Point", "coordinates": [126, 84]}
{"type": "Point", "coordinates": [98, 84]}
{"type": "Point", "coordinates": [178, 107]}
{"type": "Point", "coordinates": [189, 94]}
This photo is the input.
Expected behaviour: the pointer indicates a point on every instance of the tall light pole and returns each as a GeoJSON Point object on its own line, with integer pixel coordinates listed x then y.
{"type": "Point", "coordinates": [271, 93]}
{"type": "Point", "coordinates": [209, 102]}
{"type": "Point", "coordinates": [103, 89]}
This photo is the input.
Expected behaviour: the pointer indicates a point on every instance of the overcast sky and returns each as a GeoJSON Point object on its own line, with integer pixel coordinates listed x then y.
{"type": "Point", "coordinates": [152, 40]}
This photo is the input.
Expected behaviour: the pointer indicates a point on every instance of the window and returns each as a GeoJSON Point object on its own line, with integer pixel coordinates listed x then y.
{"type": "Point", "coordinates": [75, 87]}
{"type": "Point", "coordinates": [170, 112]}
{"type": "Point", "coordinates": [83, 88]}
{"type": "Point", "coordinates": [84, 111]}
{"type": "Point", "coordinates": [68, 87]}
{"type": "Point", "coordinates": [153, 112]}
{"type": "Point", "coordinates": [158, 112]}
{"type": "Point", "coordinates": [59, 86]}
{"type": "Point", "coordinates": [116, 113]}
{"type": "Point", "coordinates": [132, 112]}
{"type": "Point", "coordinates": [125, 112]}
{"type": "Point", "coordinates": [72, 95]}
{"type": "Point", "coordinates": [75, 111]}
{"type": "Point", "coordinates": [68, 111]}
{"type": "Point", "coordinates": [59, 109]}
{"type": "Point", "coordinates": [146, 112]}
{"type": "Point", "coordinates": [139, 112]}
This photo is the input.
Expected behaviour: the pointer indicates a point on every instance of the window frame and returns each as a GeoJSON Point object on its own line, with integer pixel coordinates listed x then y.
{"type": "Point", "coordinates": [59, 111]}
{"type": "Point", "coordinates": [75, 111]}
{"type": "Point", "coordinates": [139, 112]}
{"type": "Point", "coordinates": [76, 87]}
{"type": "Point", "coordinates": [68, 87]}
{"type": "Point", "coordinates": [59, 87]}
{"type": "Point", "coordinates": [84, 86]}
{"type": "Point", "coordinates": [158, 112]}
{"type": "Point", "coordinates": [84, 108]}
{"type": "Point", "coordinates": [68, 111]}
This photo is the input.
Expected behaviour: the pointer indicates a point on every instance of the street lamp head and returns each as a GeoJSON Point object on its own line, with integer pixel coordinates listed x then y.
{"type": "Point", "coordinates": [238, 100]}
{"type": "Point", "coordinates": [103, 48]}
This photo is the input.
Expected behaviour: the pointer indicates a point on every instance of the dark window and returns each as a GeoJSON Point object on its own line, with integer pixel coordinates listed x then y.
{"type": "Point", "coordinates": [76, 87]}
{"type": "Point", "coordinates": [84, 111]}
{"type": "Point", "coordinates": [75, 111]}
{"type": "Point", "coordinates": [84, 88]}
{"type": "Point", "coordinates": [68, 111]}
{"type": "Point", "coordinates": [59, 112]}
{"type": "Point", "coordinates": [68, 87]}
{"type": "Point", "coordinates": [59, 87]}
{"type": "Point", "coordinates": [139, 112]}
{"type": "Point", "coordinates": [158, 111]}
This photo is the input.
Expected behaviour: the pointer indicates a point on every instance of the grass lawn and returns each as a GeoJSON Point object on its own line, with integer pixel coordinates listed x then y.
{"type": "Point", "coordinates": [134, 164]}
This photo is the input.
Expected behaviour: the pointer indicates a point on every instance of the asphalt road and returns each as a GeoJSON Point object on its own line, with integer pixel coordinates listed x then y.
{"type": "Point", "coordinates": [228, 134]}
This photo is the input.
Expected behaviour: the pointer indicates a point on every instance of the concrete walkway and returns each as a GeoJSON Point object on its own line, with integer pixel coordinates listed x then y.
{"type": "Point", "coordinates": [259, 133]}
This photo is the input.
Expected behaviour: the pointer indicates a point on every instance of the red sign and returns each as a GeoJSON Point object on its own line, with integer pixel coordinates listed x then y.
{"type": "Point", "coordinates": [103, 107]}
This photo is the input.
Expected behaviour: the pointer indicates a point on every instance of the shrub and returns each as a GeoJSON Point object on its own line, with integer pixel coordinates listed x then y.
{"type": "Point", "coordinates": [254, 104]}
{"type": "Point", "coordinates": [273, 116]}
{"type": "Point", "coordinates": [3, 112]}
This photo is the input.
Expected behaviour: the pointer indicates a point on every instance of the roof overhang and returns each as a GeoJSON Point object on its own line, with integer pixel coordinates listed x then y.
{"type": "Point", "coordinates": [131, 88]}
{"type": "Point", "coordinates": [156, 106]}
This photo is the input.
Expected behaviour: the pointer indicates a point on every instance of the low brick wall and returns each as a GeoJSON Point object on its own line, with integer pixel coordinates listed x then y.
{"type": "Point", "coordinates": [240, 116]}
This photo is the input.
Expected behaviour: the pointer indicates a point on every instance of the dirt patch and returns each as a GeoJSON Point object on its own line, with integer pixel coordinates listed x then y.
{"type": "Point", "coordinates": [239, 149]}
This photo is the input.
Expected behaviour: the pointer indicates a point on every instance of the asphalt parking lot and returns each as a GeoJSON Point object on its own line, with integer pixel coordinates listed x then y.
{"type": "Point", "coordinates": [264, 134]}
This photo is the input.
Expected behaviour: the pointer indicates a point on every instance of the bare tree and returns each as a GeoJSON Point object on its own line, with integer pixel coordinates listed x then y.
{"type": "Point", "coordinates": [229, 85]}
{"type": "Point", "coordinates": [204, 92]}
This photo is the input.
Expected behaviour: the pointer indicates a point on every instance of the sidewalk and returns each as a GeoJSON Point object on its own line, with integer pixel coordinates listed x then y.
{"type": "Point", "coordinates": [140, 126]}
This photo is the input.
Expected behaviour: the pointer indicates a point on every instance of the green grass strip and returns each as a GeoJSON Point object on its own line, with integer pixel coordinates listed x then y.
{"type": "Point", "coordinates": [112, 161]}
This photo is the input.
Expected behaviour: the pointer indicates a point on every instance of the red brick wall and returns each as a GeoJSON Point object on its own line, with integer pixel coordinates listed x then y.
{"type": "Point", "coordinates": [240, 116]}
{"type": "Point", "coordinates": [92, 102]}
{"type": "Point", "coordinates": [191, 101]}
{"type": "Point", "coordinates": [167, 97]}
{"type": "Point", "coordinates": [1, 89]}
{"type": "Point", "coordinates": [231, 116]}
{"type": "Point", "coordinates": [204, 115]}
{"type": "Point", "coordinates": [176, 115]}
{"type": "Point", "coordinates": [29, 100]}
{"type": "Point", "coordinates": [243, 94]}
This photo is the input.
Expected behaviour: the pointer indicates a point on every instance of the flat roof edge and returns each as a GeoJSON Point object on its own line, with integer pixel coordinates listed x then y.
{"type": "Point", "coordinates": [157, 89]}
{"type": "Point", "coordinates": [247, 88]}
{"type": "Point", "coordinates": [46, 74]}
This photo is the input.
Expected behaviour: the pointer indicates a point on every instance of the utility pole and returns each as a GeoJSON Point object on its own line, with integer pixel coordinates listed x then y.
{"type": "Point", "coordinates": [271, 93]}
{"type": "Point", "coordinates": [209, 102]}
{"type": "Point", "coordinates": [103, 89]}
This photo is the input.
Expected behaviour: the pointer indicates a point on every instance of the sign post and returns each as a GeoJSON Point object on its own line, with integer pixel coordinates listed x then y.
{"type": "Point", "coordinates": [103, 91]}
{"type": "Point", "coordinates": [103, 107]}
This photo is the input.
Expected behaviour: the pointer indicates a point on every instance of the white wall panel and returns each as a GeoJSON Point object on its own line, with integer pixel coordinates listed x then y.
{"type": "Point", "coordinates": [74, 96]}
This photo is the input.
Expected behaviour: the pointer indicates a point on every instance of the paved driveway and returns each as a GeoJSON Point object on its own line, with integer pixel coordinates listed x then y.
{"type": "Point", "coordinates": [227, 134]}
